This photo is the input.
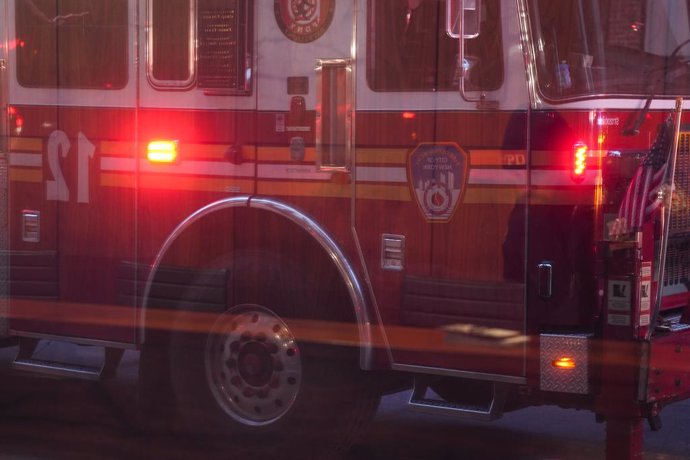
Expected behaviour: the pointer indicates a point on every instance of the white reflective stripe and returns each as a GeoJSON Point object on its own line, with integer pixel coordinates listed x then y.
{"type": "Point", "coordinates": [292, 171]}
{"type": "Point", "coordinates": [26, 159]}
{"type": "Point", "coordinates": [562, 178]}
{"type": "Point", "coordinates": [498, 177]}
{"type": "Point", "coordinates": [397, 175]}
{"type": "Point", "coordinates": [202, 168]}
{"type": "Point", "coordinates": [118, 164]}
{"type": "Point", "coordinates": [381, 174]}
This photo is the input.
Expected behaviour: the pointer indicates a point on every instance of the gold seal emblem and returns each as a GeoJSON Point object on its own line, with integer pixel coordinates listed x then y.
{"type": "Point", "coordinates": [304, 21]}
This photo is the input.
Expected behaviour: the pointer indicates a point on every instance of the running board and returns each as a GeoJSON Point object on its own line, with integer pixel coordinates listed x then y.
{"type": "Point", "coordinates": [30, 361]}
{"type": "Point", "coordinates": [419, 401]}
{"type": "Point", "coordinates": [56, 369]}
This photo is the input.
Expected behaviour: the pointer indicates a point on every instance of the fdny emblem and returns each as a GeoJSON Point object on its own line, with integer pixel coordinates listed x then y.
{"type": "Point", "coordinates": [438, 173]}
{"type": "Point", "coordinates": [303, 21]}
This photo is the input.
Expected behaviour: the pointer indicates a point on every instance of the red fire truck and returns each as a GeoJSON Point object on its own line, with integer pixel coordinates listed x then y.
{"type": "Point", "coordinates": [291, 207]}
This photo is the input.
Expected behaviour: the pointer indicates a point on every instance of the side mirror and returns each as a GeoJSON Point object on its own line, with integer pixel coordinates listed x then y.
{"type": "Point", "coordinates": [463, 16]}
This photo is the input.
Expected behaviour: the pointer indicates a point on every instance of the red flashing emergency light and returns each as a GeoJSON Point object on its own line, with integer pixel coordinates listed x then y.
{"type": "Point", "coordinates": [580, 150]}
{"type": "Point", "coordinates": [162, 151]}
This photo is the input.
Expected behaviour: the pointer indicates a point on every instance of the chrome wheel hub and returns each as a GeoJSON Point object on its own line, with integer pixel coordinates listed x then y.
{"type": "Point", "coordinates": [253, 365]}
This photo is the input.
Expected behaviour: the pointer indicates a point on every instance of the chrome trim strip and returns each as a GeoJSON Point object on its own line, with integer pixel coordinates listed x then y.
{"type": "Point", "coordinates": [666, 193]}
{"type": "Point", "coordinates": [529, 54]}
{"type": "Point", "coordinates": [306, 223]}
{"type": "Point", "coordinates": [331, 87]}
{"type": "Point", "coordinates": [226, 203]}
{"type": "Point", "coordinates": [364, 317]}
{"type": "Point", "coordinates": [56, 369]}
{"type": "Point", "coordinates": [75, 340]}
{"type": "Point", "coordinates": [463, 374]}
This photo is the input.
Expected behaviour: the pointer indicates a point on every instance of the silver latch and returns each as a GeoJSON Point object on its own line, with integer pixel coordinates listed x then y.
{"type": "Point", "coordinates": [31, 226]}
{"type": "Point", "coordinates": [392, 252]}
{"type": "Point", "coordinates": [545, 279]}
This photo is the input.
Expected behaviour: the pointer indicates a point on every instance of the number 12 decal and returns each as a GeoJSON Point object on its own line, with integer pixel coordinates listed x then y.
{"type": "Point", "coordinates": [59, 146]}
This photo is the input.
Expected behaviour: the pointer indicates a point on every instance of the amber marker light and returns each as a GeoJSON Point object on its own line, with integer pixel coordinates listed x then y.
{"type": "Point", "coordinates": [565, 362]}
{"type": "Point", "coordinates": [579, 160]}
{"type": "Point", "coordinates": [162, 151]}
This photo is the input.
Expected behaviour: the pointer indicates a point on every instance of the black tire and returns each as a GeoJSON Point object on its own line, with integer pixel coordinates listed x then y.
{"type": "Point", "coordinates": [251, 373]}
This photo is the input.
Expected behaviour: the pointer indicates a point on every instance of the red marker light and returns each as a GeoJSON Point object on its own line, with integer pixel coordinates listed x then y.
{"type": "Point", "coordinates": [162, 151]}
{"type": "Point", "coordinates": [579, 160]}
{"type": "Point", "coordinates": [565, 362]}
{"type": "Point", "coordinates": [409, 115]}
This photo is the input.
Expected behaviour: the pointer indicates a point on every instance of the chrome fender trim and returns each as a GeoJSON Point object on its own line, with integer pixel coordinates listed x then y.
{"type": "Point", "coordinates": [309, 225]}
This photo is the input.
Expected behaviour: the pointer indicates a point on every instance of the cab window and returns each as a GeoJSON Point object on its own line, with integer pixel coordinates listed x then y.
{"type": "Point", "coordinates": [409, 49]}
{"type": "Point", "coordinates": [72, 43]}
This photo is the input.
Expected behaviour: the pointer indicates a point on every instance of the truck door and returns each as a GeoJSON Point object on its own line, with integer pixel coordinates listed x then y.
{"type": "Point", "coordinates": [441, 182]}
{"type": "Point", "coordinates": [4, 286]}
{"type": "Point", "coordinates": [72, 93]}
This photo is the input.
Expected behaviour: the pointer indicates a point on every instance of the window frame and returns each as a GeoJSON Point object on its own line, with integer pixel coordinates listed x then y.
{"type": "Point", "coordinates": [191, 57]}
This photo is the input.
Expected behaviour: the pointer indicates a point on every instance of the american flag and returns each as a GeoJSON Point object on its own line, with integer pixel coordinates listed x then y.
{"type": "Point", "coordinates": [641, 199]}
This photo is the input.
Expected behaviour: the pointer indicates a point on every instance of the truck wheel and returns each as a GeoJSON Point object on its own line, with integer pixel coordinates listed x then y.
{"type": "Point", "coordinates": [250, 377]}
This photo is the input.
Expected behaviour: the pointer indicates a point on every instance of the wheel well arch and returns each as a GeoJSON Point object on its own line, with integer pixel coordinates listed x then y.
{"type": "Point", "coordinates": [364, 315]}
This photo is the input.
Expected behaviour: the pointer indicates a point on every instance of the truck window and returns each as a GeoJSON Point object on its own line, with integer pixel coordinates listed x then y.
{"type": "Point", "coordinates": [408, 48]}
{"type": "Point", "coordinates": [171, 47]}
{"type": "Point", "coordinates": [204, 44]}
{"type": "Point", "coordinates": [617, 47]}
{"type": "Point", "coordinates": [72, 43]}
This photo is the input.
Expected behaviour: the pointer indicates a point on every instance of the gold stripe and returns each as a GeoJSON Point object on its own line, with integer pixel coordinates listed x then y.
{"type": "Point", "coordinates": [553, 197]}
{"type": "Point", "coordinates": [210, 151]}
{"type": "Point", "coordinates": [473, 195]}
{"type": "Point", "coordinates": [383, 192]}
{"type": "Point", "coordinates": [383, 156]}
{"type": "Point", "coordinates": [498, 158]}
{"type": "Point", "coordinates": [396, 157]}
{"type": "Point", "coordinates": [121, 149]}
{"type": "Point", "coordinates": [331, 190]}
{"type": "Point", "coordinates": [494, 196]}
{"type": "Point", "coordinates": [315, 189]}
{"type": "Point", "coordinates": [117, 180]}
{"type": "Point", "coordinates": [187, 151]}
{"type": "Point", "coordinates": [477, 157]}
{"type": "Point", "coordinates": [283, 154]}
{"type": "Point", "coordinates": [177, 183]}
{"type": "Point", "coordinates": [194, 184]}
{"type": "Point", "coordinates": [213, 151]}
{"type": "Point", "coordinates": [26, 144]}
{"type": "Point", "coordinates": [26, 175]}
